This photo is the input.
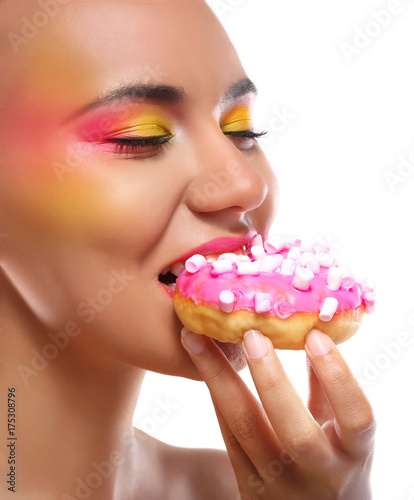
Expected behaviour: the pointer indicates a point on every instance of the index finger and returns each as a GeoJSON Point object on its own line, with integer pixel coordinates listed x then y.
{"type": "Point", "coordinates": [352, 410]}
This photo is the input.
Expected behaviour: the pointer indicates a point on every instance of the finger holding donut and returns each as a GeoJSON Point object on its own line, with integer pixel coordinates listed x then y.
{"type": "Point", "coordinates": [281, 287]}
{"type": "Point", "coordinates": [278, 449]}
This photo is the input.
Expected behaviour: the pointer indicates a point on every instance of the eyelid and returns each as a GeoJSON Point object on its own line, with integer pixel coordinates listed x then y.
{"type": "Point", "coordinates": [142, 130]}
{"type": "Point", "coordinates": [237, 119]}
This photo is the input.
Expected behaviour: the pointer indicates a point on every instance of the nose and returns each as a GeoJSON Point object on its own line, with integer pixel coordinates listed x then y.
{"type": "Point", "coordinates": [226, 177]}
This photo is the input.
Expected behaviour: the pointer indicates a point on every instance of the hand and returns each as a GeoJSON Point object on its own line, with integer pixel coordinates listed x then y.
{"type": "Point", "coordinates": [279, 449]}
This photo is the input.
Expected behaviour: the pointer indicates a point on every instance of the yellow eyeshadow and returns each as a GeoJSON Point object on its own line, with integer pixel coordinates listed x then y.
{"type": "Point", "coordinates": [237, 119]}
{"type": "Point", "coordinates": [144, 125]}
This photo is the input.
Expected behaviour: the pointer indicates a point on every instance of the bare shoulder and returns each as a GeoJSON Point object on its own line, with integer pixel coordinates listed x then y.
{"type": "Point", "coordinates": [206, 473]}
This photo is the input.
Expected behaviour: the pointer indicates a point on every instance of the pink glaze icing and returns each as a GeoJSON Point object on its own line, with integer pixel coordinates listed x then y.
{"type": "Point", "coordinates": [204, 287]}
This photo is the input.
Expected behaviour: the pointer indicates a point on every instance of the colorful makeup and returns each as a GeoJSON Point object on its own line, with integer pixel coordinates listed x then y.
{"type": "Point", "coordinates": [237, 119]}
{"type": "Point", "coordinates": [142, 121]}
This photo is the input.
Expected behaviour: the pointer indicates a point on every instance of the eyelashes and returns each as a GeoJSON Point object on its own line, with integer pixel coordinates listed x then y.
{"type": "Point", "coordinates": [144, 147]}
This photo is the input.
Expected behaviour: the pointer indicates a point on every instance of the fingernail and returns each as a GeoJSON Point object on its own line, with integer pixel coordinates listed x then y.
{"type": "Point", "coordinates": [195, 343]}
{"type": "Point", "coordinates": [256, 344]}
{"type": "Point", "coordinates": [318, 343]}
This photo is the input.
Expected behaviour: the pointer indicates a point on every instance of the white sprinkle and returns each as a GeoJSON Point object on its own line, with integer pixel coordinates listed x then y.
{"type": "Point", "coordinates": [334, 280]}
{"type": "Point", "coordinates": [306, 257]}
{"type": "Point", "coordinates": [294, 253]}
{"type": "Point", "coordinates": [367, 285]}
{"type": "Point", "coordinates": [257, 252]}
{"type": "Point", "coordinates": [262, 302]}
{"type": "Point", "coordinates": [288, 267]}
{"type": "Point", "coordinates": [275, 244]}
{"type": "Point", "coordinates": [329, 307]}
{"type": "Point", "coordinates": [232, 257]}
{"type": "Point", "coordinates": [221, 267]}
{"type": "Point", "coordinates": [302, 278]}
{"type": "Point", "coordinates": [313, 265]}
{"type": "Point", "coordinates": [325, 259]}
{"type": "Point", "coordinates": [243, 258]}
{"type": "Point", "coordinates": [248, 268]}
{"type": "Point", "coordinates": [270, 263]}
{"type": "Point", "coordinates": [195, 263]}
{"type": "Point", "coordinates": [226, 301]}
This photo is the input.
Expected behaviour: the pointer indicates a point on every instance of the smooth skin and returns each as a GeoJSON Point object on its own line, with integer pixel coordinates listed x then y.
{"type": "Point", "coordinates": [86, 228]}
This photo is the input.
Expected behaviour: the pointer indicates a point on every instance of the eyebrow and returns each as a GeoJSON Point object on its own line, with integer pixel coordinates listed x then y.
{"type": "Point", "coordinates": [164, 94]}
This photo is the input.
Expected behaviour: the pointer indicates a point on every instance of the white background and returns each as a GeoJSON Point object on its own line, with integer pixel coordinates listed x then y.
{"type": "Point", "coordinates": [347, 123]}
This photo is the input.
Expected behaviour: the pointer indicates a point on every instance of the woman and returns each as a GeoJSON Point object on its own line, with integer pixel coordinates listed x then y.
{"type": "Point", "coordinates": [127, 144]}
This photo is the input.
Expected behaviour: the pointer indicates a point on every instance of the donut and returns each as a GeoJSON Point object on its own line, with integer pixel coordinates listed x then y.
{"type": "Point", "coordinates": [281, 287]}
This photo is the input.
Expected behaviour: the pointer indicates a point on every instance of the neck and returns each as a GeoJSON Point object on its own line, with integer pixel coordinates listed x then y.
{"type": "Point", "coordinates": [74, 434]}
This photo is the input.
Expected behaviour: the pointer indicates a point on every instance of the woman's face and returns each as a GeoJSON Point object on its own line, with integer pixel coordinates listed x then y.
{"type": "Point", "coordinates": [93, 215]}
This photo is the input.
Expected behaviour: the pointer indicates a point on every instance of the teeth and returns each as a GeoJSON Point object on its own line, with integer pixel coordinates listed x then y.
{"type": "Point", "coordinates": [171, 286]}
{"type": "Point", "coordinates": [177, 269]}
{"type": "Point", "coordinates": [165, 271]}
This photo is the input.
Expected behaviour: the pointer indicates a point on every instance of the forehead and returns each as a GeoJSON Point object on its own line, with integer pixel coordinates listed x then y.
{"type": "Point", "coordinates": [90, 46]}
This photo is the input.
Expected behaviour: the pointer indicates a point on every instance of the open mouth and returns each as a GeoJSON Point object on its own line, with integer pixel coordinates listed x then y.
{"type": "Point", "coordinates": [170, 274]}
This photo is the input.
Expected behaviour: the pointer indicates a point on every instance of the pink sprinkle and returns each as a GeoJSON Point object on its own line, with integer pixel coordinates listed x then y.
{"type": "Point", "coordinates": [195, 263]}
{"type": "Point", "coordinates": [369, 301]}
{"type": "Point", "coordinates": [348, 282]}
{"type": "Point", "coordinates": [284, 310]}
{"type": "Point", "coordinates": [220, 267]}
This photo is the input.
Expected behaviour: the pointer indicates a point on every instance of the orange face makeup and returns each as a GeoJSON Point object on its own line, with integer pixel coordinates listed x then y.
{"type": "Point", "coordinates": [237, 119]}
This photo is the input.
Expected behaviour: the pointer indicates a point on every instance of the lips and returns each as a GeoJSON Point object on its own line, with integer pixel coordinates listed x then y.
{"type": "Point", "coordinates": [211, 250]}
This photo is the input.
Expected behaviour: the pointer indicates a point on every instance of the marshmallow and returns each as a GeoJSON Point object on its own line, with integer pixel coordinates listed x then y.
{"type": "Point", "coordinates": [221, 267]}
{"type": "Point", "coordinates": [226, 301]}
{"type": "Point", "coordinates": [257, 240]}
{"type": "Point", "coordinates": [334, 280]}
{"type": "Point", "coordinates": [243, 258]}
{"type": "Point", "coordinates": [248, 268]}
{"type": "Point", "coordinates": [177, 269]}
{"type": "Point", "coordinates": [325, 259]}
{"type": "Point", "coordinates": [284, 310]}
{"type": "Point", "coordinates": [369, 301]}
{"type": "Point", "coordinates": [195, 263]}
{"type": "Point", "coordinates": [367, 285]}
{"type": "Point", "coordinates": [274, 244]}
{"type": "Point", "coordinates": [288, 267]}
{"type": "Point", "coordinates": [262, 302]}
{"type": "Point", "coordinates": [306, 257]}
{"type": "Point", "coordinates": [257, 252]}
{"type": "Point", "coordinates": [292, 241]}
{"type": "Point", "coordinates": [348, 281]}
{"type": "Point", "coordinates": [270, 263]}
{"type": "Point", "coordinates": [294, 253]}
{"type": "Point", "coordinates": [302, 278]}
{"type": "Point", "coordinates": [313, 265]}
{"type": "Point", "coordinates": [329, 307]}
{"type": "Point", "coordinates": [232, 257]}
